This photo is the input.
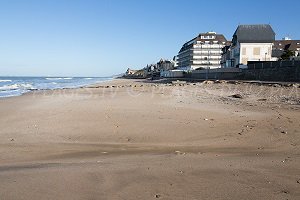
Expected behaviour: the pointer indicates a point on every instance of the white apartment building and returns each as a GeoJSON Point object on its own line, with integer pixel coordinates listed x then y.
{"type": "Point", "coordinates": [204, 51]}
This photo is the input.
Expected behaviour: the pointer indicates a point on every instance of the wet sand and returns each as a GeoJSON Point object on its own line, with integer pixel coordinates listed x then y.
{"type": "Point", "coordinates": [133, 139]}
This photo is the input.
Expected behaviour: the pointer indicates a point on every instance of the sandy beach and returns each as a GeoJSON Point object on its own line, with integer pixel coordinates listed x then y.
{"type": "Point", "coordinates": [134, 139]}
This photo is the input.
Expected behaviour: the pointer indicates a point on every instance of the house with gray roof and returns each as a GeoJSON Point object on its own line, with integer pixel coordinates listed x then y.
{"type": "Point", "coordinates": [286, 44]}
{"type": "Point", "coordinates": [251, 43]}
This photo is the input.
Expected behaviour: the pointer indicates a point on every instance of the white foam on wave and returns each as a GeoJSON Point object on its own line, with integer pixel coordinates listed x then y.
{"type": "Point", "coordinates": [25, 86]}
{"type": "Point", "coordinates": [88, 78]}
{"type": "Point", "coordinates": [9, 87]}
{"type": "Point", "coordinates": [54, 78]}
{"type": "Point", "coordinates": [5, 80]}
{"type": "Point", "coordinates": [59, 78]}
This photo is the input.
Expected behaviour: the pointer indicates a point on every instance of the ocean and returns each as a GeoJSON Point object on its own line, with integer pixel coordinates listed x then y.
{"type": "Point", "coordinates": [16, 86]}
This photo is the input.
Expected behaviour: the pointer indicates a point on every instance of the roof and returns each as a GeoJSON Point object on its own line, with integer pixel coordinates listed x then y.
{"type": "Point", "coordinates": [291, 45]}
{"type": "Point", "coordinates": [218, 37]}
{"type": "Point", "coordinates": [262, 33]}
{"type": "Point", "coordinates": [283, 45]}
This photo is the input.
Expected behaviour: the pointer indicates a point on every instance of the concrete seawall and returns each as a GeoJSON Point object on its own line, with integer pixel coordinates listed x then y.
{"type": "Point", "coordinates": [284, 73]}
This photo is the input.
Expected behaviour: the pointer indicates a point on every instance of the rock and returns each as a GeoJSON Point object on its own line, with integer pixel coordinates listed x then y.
{"type": "Point", "coordinates": [221, 81]}
{"type": "Point", "coordinates": [261, 99]}
{"type": "Point", "coordinates": [276, 85]}
{"type": "Point", "coordinates": [298, 181]}
{"type": "Point", "coordinates": [157, 196]}
{"type": "Point", "coordinates": [285, 191]}
{"type": "Point", "coordinates": [208, 82]}
{"type": "Point", "coordinates": [296, 85]}
{"type": "Point", "coordinates": [284, 132]}
{"type": "Point", "coordinates": [12, 139]}
{"type": "Point", "coordinates": [178, 82]}
{"type": "Point", "coordinates": [237, 96]}
{"type": "Point", "coordinates": [179, 153]}
{"type": "Point", "coordinates": [234, 82]}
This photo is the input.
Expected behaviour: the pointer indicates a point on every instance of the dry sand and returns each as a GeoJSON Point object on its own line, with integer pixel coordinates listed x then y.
{"type": "Point", "coordinates": [138, 140]}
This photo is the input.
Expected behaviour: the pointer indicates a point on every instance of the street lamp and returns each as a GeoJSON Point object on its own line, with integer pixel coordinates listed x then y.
{"type": "Point", "coordinates": [266, 56]}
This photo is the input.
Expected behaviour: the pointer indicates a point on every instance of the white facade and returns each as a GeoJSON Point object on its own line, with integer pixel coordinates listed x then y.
{"type": "Point", "coordinates": [244, 52]}
{"type": "Point", "coordinates": [204, 51]}
{"type": "Point", "coordinates": [202, 55]}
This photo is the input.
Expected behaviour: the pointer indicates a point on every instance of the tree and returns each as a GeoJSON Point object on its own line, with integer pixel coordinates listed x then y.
{"type": "Point", "coordinates": [287, 54]}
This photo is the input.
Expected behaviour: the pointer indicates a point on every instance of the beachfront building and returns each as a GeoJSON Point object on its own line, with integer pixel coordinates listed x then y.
{"type": "Point", "coordinates": [202, 52]}
{"type": "Point", "coordinates": [134, 73]}
{"type": "Point", "coordinates": [284, 45]}
{"type": "Point", "coordinates": [165, 65]}
{"type": "Point", "coordinates": [226, 60]}
{"type": "Point", "coordinates": [250, 43]}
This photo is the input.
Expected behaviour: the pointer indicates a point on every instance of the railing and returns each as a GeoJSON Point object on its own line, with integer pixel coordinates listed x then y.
{"type": "Point", "coordinates": [208, 47]}
{"type": "Point", "coordinates": [208, 54]}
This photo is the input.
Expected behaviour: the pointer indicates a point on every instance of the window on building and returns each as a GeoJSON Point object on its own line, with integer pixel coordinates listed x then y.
{"type": "Point", "coordinates": [244, 51]}
{"type": "Point", "coordinates": [256, 51]}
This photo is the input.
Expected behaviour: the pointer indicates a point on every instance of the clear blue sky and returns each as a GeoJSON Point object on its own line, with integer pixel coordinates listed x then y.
{"type": "Point", "coordinates": [104, 37]}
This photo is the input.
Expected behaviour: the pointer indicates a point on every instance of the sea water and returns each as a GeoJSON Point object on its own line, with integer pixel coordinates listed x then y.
{"type": "Point", "coordinates": [15, 86]}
